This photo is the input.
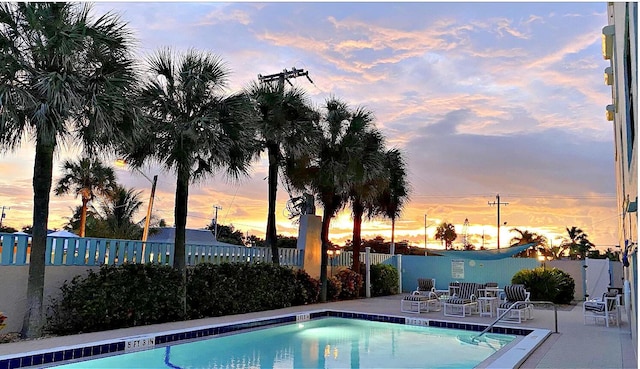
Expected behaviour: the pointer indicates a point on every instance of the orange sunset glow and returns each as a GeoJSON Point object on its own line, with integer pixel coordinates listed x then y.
{"type": "Point", "coordinates": [476, 97]}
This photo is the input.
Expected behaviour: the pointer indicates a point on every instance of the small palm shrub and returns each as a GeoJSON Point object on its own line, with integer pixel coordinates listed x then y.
{"type": "Point", "coordinates": [351, 284]}
{"type": "Point", "coordinates": [544, 284]}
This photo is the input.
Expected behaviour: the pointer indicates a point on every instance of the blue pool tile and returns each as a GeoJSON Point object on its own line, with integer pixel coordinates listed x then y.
{"type": "Point", "coordinates": [77, 353]}
{"type": "Point", "coordinates": [37, 359]}
{"type": "Point", "coordinates": [27, 361]}
{"type": "Point", "coordinates": [113, 347]}
{"type": "Point", "coordinates": [14, 363]}
{"type": "Point", "coordinates": [58, 356]}
{"type": "Point", "coordinates": [48, 358]}
{"type": "Point", "coordinates": [67, 355]}
{"type": "Point", "coordinates": [86, 351]}
{"type": "Point", "coordinates": [4, 364]}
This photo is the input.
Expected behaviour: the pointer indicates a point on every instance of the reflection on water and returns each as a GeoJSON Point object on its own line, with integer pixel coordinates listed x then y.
{"type": "Point", "coordinates": [322, 343]}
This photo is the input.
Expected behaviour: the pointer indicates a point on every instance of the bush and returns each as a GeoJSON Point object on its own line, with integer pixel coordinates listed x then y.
{"type": "Point", "coordinates": [546, 284]}
{"type": "Point", "coordinates": [307, 289]}
{"type": "Point", "coordinates": [215, 290]}
{"type": "Point", "coordinates": [116, 297]}
{"type": "Point", "coordinates": [384, 280]}
{"type": "Point", "coordinates": [334, 288]}
{"type": "Point", "coordinates": [351, 283]}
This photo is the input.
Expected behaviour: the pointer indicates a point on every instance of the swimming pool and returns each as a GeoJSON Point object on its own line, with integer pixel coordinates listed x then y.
{"type": "Point", "coordinates": [93, 347]}
{"type": "Point", "coordinates": [321, 343]}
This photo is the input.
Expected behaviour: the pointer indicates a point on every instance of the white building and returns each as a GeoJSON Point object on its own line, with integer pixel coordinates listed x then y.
{"type": "Point", "coordinates": [620, 47]}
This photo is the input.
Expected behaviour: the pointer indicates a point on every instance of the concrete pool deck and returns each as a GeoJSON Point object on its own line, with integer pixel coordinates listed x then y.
{"type": "Point", "coordinates": [575, 346]}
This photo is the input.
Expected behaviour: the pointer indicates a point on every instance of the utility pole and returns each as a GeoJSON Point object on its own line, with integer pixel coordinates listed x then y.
{"type": "Point", "coordinates": [285, 75]}
{"type": "Point", "coordinates": [215, 222]}
{"type": "Point", "coordinates": [147, 220]}
{"type": "Point", "coordinates": [3, 214]}
{"type": "Point", "coordinates": [425, 233]}
{"type": "Point", "coordinates": [271, 234]}
{"type": "Point", "coordinates": [498, 203]}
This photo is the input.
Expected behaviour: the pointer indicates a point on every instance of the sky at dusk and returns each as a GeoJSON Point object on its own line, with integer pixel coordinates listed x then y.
{"type": "Point", "coordinates": [482, 99]}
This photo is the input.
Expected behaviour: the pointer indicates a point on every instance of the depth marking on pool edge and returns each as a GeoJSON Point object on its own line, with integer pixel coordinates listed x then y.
{"type": "Point", "coordinates": [416, 321]}
{"type": "Point", "coordinates": [303, 317]}
{"type": "Point", "coordinates": [138, 343]}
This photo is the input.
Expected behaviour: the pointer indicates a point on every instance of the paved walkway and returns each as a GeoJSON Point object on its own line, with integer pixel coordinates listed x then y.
{"type": "Point", "coordinates": [575, 346]}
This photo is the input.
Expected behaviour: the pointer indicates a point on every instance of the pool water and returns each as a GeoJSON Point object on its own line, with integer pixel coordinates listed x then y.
{"type": "Point", "coordinates": [320, 343]}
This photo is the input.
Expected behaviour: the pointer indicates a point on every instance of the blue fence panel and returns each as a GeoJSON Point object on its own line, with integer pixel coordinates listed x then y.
{"type": "Point", "coordinates": [478, 271]}
{"type": "Point", "coordinates": [90, 251]}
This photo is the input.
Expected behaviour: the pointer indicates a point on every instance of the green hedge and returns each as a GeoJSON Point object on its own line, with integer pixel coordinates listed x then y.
{"type": "Point", "coordinates": [140, 294]}
{"type": "Point", "coordinates": [116, 297]}
{"type": "Point", "coordinates": [550, 284]}
{"type": "Point", "coordinates": [223, 289]}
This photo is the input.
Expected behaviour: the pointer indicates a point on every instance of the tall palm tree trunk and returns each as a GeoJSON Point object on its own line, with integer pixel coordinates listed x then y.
{"type": "Point", "coordinates": [270, 237]}
{"type": "Point", "coordinates": [42, 179]}
{"type": "Point", "coordinates": [83, 216]}
{"type": "Point", "coordinates": [179, 261]}
{"type": "Point", "coordinates": [358, 210]}
{"type": "Point", "coordinates": [324, 236]}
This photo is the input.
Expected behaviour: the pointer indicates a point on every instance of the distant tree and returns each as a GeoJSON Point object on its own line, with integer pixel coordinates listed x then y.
{"type": "Point", "coordinates": [7, 229]}
{"type": "Point", "coordinates": [578, 243]}
{"type": "Point", "coordinates": [91, 222]}
{"type": "Point", "coordinates": [524, 237]}
{"type": "Point", "coordinates": [87, 178]}
{"type": "Point", "coordinates": [227, 234]}
{"type": "Point", "coordinates": [116, 212]}
{"type": "Point", "coordinates": [254, 241]}
{"type": "Point", "coordinates": [446, 233]}
{"type": "Point", "coordinates": [287, 242]}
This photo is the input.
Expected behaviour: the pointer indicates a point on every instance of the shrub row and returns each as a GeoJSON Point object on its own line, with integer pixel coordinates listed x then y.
{"type": "Point", "coordinates": [140, 294]}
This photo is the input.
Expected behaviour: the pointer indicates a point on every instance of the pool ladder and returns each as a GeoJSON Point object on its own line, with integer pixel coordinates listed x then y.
{"type": "Point", "coordinates": [555, 315]}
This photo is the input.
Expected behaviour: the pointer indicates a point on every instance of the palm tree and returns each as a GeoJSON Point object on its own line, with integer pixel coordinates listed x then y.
{"type": "Point", "coordinates": [191, 128]}
{"type": "Point", "coordinates": [525, 237]}
{"type": "Point", "coordinates": [86, 178]}
{"type": "Point", "coordinates": [64, 76]}
{"type": "Point", "coordinates": [116, 214]}
{"type": "Point", "coordinates": [286, 128]}
{"type": "Point", "coordinates": [363, 191]}
{"type": "Point", "coordinates": [392, 198]}
{"type": "Point", "coordinates": [446, 232]}
{"type": "Point", "coordinates": [577, 244]}
{"type": "Point", "coordinates": [340, 161]}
